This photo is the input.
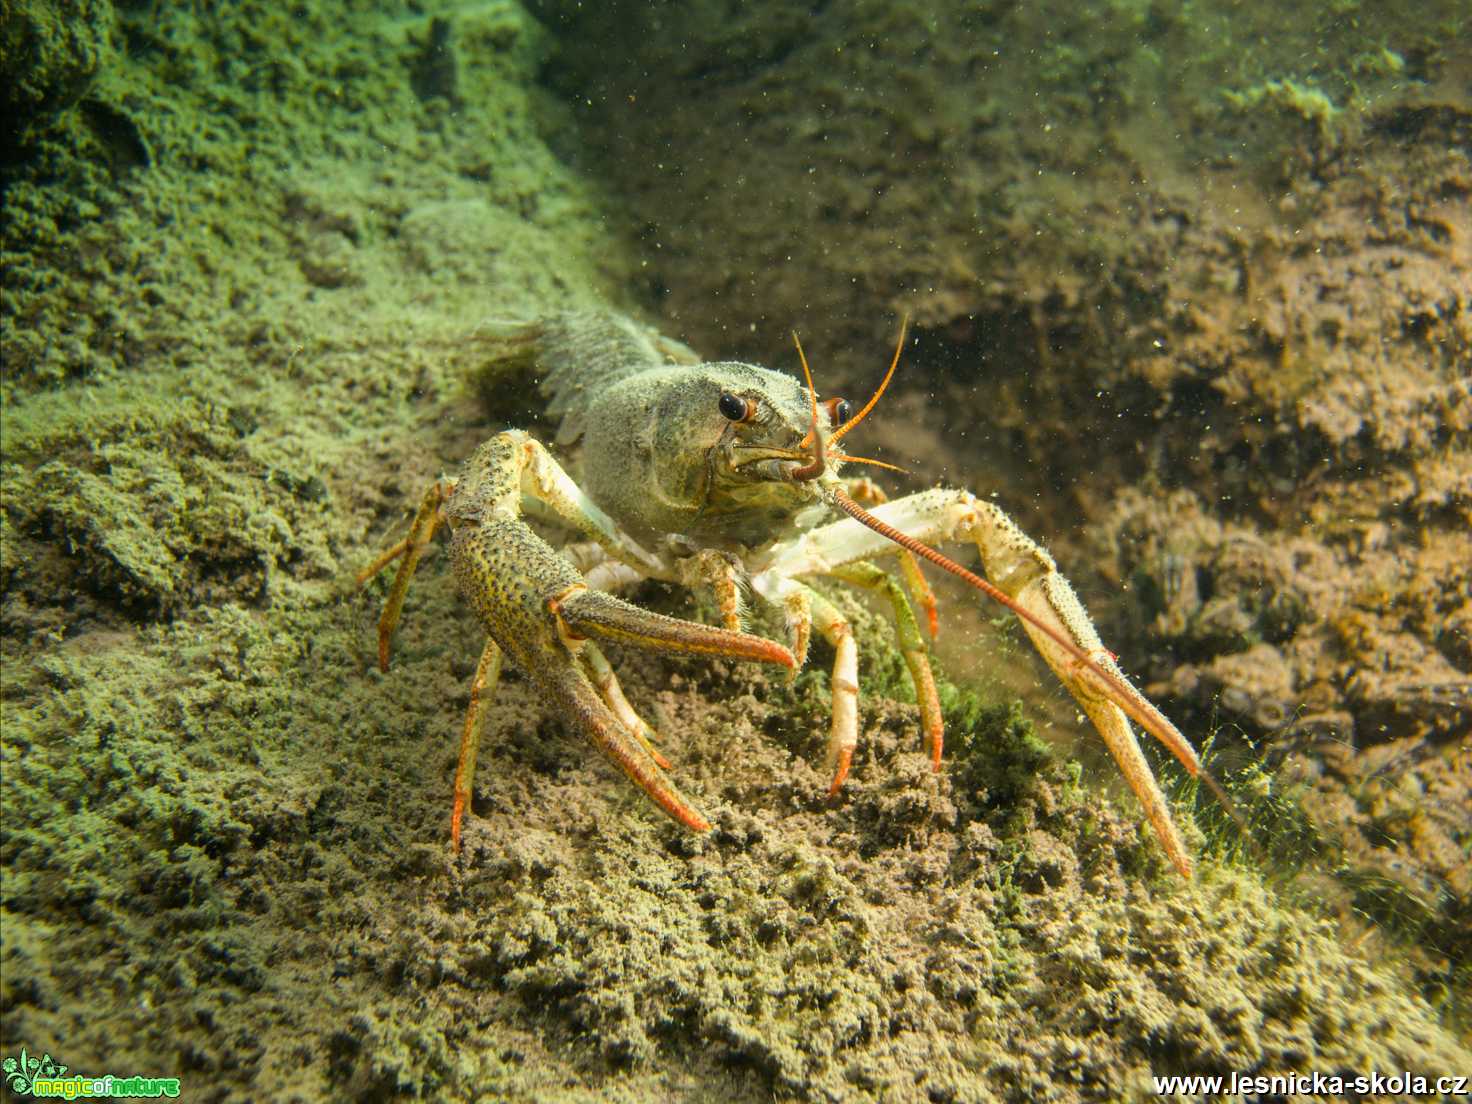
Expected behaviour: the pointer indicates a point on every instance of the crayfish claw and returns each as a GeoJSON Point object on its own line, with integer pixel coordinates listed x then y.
{"type": "Point", "coordinates": [587, 613]}
{"type": "Point", "coordinates": [582, 701]}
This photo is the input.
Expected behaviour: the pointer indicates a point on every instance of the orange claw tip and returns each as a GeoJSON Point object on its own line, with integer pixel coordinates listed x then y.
{"type": "Point", "coordinates": [740, 645]}
{"type": "Point", "coordinates": [782, 656]}
{"type": "Point", "coordinates": [758, 648]}
{"type": "Point", "coordinates": [684, 814]}
{"type": "Point", "coordinates": [845, 758]}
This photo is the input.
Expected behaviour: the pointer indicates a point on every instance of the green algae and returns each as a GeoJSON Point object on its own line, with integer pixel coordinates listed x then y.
{"type": "Point", "coordinates": [50, 52]}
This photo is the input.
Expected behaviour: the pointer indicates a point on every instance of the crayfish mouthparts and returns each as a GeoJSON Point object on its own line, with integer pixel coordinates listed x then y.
{"type": "Point", "coordinates": [806, 473]}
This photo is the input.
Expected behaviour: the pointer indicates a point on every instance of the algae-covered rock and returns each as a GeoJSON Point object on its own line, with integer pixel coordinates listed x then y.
{"type": "Point", "coordinates": [50, 52]}
{"type": "Point", "coordinates": [230, 368]}
{"type": "Point", "coordinates": [258, 838]}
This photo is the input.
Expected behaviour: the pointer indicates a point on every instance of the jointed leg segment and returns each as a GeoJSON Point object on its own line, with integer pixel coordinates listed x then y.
{"type": "Point", "coordinates": [482, 689]}
{"type": "Point", "coordinates": [713, 569]}
{"type": "Point", "coordinates": [805, 609]}
{"type": "Point", "coordinates": [865, 490]}
{"type": "Point", "coordinates": [912, 648]}
{"type": "Point", "coordinates": [843, 733]}
{"type": "Point", "coordinates": [427, 520]}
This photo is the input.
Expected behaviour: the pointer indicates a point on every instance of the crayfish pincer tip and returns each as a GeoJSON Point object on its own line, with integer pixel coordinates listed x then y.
{"type": "Point", "coordinates": [595, 613]}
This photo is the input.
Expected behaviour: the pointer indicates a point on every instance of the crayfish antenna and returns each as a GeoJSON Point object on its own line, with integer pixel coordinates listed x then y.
{"type": "Point", "coordinates": [813, 468]}
{"type": "Point", "coordinates": [868, 406]}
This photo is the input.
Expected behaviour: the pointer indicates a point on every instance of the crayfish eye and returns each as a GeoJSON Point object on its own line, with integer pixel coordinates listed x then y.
{"type": "Point", "coordinates": [839, 411]}
{"type": "Point", "coordinates": [736, 408]}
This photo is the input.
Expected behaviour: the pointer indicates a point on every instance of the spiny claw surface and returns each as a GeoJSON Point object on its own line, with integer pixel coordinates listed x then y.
{"type": "Point", "coordinates": [570, 688]}
{"type": "Point", "coordinates": [594, 613]}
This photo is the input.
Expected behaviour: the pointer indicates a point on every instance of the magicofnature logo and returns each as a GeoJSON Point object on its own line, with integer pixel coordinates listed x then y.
{"type": "Point", "coordinates": [27, 1075]}
{"type": "Point", "coordinates": [20, 1072]}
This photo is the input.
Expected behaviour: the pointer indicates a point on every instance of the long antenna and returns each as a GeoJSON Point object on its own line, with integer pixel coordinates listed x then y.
{"type": "Point", "coordinates": [815, 467]}
{"type": "Point", "coordinates": [868, 406]}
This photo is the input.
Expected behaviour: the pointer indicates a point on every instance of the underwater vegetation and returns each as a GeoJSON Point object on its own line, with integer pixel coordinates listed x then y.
{"type": "Point", "coordinates": [1189, 285]}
